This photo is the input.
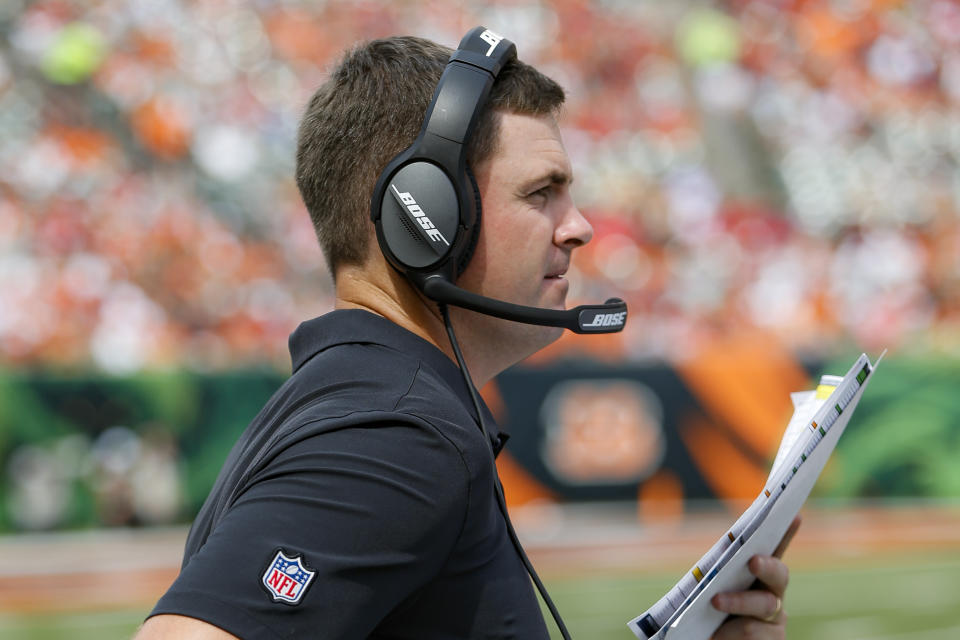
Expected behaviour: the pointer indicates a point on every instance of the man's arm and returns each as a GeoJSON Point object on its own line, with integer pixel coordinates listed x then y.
{"type": "Point", "coordinates": [359, 516]}
{"type": "Point", "coordinates": [758, 612]}
{"type": "Point", "coordinates": [167, 626]}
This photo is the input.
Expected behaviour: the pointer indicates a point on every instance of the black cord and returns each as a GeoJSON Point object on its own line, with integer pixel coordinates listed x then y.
{"type": "Point", "coordinates": [501, 501]}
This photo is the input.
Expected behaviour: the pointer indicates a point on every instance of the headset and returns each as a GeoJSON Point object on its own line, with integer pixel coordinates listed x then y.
{"type": "Point", "coordinates": [426, 209]}
{"type": "Point", "coordinates": [426, 205]}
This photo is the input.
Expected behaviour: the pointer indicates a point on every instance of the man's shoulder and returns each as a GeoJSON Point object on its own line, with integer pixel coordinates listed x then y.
{"type": "Point", "coordinates": [350, 402]}
{"type": "Point", "coordinates": [359, 369]}
{"type": "Point", "coordinates": [373, 383]}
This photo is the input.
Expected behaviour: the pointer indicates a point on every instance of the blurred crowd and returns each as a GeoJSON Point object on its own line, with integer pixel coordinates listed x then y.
{"type": "Point", "coordinates": [780, 166]}
{"type": "Point", "coordinates": [122, 477]}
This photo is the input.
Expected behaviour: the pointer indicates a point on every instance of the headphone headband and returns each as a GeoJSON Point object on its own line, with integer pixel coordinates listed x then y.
{"type": "Point", "coordinates": [425, 205]}
{"type": "Point", "coordinates": [485, 49]}
{"type": "Point", "coordinates": [464, 87]}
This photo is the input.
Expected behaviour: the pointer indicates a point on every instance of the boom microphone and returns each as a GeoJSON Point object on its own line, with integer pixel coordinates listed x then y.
{"type": "Point", "coordinates": [609, 317]}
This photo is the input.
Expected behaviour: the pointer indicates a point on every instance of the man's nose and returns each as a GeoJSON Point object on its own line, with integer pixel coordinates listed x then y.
{"type": "Point", "coordinates": [574, 229]}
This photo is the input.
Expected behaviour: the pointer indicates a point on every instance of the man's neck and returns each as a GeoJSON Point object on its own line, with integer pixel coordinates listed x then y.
{"type": "Point", "coordinates": [380, 289]}
{"type": "Point", "coordinates": [386, 293]}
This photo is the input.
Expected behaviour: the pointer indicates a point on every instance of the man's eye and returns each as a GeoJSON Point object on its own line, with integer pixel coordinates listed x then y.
{"type": "Point", "coordinates": [542, 192]}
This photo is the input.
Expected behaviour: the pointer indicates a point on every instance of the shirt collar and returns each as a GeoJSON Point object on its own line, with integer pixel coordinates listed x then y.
{"type": "Point", "coordinates": [345, 326]}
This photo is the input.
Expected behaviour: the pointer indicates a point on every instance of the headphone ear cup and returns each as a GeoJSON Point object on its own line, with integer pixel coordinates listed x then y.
{"type": "Point", "coordinates": [475, 228]}
{"type": "Point", "coordinates": [417, 212]}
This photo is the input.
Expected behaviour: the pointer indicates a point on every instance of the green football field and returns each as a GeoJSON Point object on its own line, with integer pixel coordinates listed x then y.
{"type": "Point", "coordinates": [913, 595]}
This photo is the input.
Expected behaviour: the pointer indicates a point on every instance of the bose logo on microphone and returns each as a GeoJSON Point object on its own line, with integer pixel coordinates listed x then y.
{"type": "Point", "coordinates": [419, 215]}
{"type": "Point", "coordinates": [607, 319]}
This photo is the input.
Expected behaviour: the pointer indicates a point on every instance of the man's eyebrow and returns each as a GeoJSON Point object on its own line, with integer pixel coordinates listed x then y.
{"type": "Point", "coordinates": [554, 178]}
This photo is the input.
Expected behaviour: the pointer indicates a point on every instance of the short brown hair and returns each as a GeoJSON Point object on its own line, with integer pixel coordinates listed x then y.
{"type": "Point", "coordinates": [368, 111]}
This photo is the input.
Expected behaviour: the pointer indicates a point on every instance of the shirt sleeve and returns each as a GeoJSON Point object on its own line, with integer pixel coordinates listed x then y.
{"type": "Point", "coordinates": [330, 536]}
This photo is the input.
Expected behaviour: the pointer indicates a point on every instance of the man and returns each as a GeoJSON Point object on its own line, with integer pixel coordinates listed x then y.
{"type": "Point", "coordinates": [361, 501]}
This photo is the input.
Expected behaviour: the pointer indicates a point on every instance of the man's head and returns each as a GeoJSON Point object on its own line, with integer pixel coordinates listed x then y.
{"type": "Point", "coordinates": [371, 109]}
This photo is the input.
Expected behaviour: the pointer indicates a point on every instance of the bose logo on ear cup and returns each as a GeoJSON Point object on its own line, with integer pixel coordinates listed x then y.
{"type": "Point", "coordinates": [492, 39]}
{"type": "Point", "coordinates": [418, 214]}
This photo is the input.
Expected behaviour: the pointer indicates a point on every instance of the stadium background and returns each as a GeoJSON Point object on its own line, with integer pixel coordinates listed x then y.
{"type": "Point", "coordinates": [774, 187]}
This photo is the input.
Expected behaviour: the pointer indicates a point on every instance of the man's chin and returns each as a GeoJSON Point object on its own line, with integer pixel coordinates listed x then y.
{"type": "Point", "coordinates": [554, 300]}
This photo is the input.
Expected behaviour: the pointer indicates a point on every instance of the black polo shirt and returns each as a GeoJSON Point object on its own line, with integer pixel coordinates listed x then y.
{"type": "Point", "coordinates": [359, 503]}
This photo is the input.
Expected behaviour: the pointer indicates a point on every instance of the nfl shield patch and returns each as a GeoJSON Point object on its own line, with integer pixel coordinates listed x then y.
{"type": "Point", "coordinates": [287, 578]}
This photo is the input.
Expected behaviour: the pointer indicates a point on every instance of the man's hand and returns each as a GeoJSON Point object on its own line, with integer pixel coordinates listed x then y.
{"type": "Point", "coordinates": [758, 612]}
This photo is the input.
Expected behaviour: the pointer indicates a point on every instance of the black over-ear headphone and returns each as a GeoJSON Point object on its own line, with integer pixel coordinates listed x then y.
{"type": "Point", "coordinates": [426, 205]}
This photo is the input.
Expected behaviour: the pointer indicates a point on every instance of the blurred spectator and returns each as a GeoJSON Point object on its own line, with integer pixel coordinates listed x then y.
{"type": "Point", "coordinates": [132, 479]}
{"type": "Point", "coordinates": [789, 167]}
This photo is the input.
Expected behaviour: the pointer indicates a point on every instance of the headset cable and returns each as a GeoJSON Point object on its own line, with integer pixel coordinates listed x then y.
{"type": "Point", "coordinates": [501, 501]}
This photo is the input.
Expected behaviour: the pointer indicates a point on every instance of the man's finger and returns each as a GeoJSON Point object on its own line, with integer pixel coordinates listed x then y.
{"type": "Point", "coordinates": [787, 537]}
{"type": "Point", "coordinates": [772, 574]}
{"type": "Point", "coordinates": [756, 603]}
